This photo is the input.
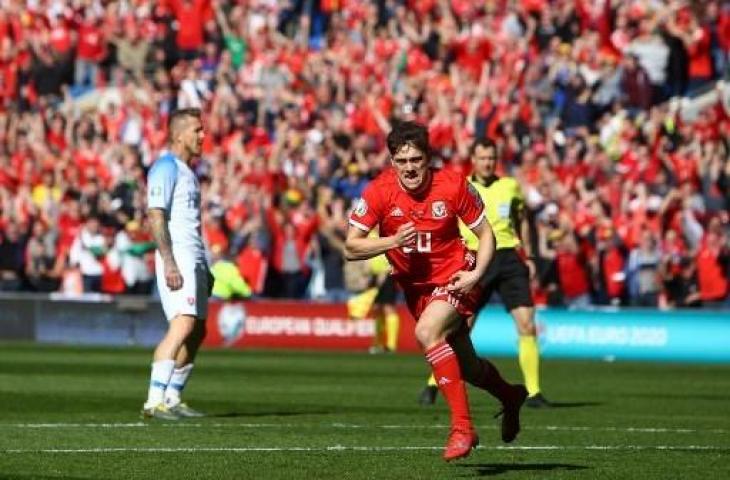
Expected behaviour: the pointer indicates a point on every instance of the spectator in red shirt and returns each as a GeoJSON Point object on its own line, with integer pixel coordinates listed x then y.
{"type": "Point", "coordinates": [90, 50]}
{"type": "Point", "coordinates": [611, 263]}
{"type": "Point", "coordinates": [214, 231]}
{"type": "Point", "coordinates": [8, 73]}
{"type": "Point", "coordinates": [191, 16]}
{"type": "Point", "coordinates": [696, 39]}
{"type": "Point", "coordinates": [570, 264]}
{"type": "Point", "coordinates": [713, 261]}
{"type": "Point", "coordinates": [574, 279]}
{"type": "Point", "coordinates": [292, 229]}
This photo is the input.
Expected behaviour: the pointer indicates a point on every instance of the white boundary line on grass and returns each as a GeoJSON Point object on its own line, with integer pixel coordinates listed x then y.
{"type": "Point", "coordinates": [343, 448]}
{"type": "Point", "coordinates": [353, 426]}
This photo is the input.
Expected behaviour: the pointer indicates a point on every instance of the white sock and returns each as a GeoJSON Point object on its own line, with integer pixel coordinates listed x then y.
{"type": "Point", "coordinates": [177, 383]}
{"type": "Point", "coordinates": [160, 378]}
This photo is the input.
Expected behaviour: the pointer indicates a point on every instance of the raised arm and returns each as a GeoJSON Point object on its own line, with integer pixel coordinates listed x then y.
{"type": "Point", "coordinates": [221, 19]}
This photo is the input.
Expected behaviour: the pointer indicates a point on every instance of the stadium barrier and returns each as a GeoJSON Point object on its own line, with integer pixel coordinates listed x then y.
{"type": "Point", "coordinates": [613, 334]}
{"type": "Point", "coordinates": [607, 334]}
{"type": "Point", "coordinates": [287, 324]}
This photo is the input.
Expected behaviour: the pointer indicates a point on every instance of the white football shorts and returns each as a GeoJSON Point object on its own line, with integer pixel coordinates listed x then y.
{"type": "Point", "coordinates": [192, 298]}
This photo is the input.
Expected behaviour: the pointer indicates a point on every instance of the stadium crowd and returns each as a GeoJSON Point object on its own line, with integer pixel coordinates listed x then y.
{"type": "Point", "coordinates": [629, 202]}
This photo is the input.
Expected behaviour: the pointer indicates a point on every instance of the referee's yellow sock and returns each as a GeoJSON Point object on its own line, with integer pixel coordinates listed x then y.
{"type": "Point", "coordinates": [378, 340]}
{"type": "Point", "coordinates": [529, 357]}
{"type": "Point", "coordinates": [432, 381]}
{"type": "Point", "coordinates": [392, 325]}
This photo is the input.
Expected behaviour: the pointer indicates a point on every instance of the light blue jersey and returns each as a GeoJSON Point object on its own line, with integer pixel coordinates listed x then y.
{"type": "Point", "coordinates": [172, 187]}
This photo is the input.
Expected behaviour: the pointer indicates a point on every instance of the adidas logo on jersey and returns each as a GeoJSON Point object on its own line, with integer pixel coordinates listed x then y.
{"type": "Point", "coordinates": [444, 381]}
{"type": "Point", "coordinates": [396, 212]}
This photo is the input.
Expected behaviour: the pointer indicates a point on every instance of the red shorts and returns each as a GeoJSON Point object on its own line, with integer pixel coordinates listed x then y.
{"type": "Point", "coordinates": [418, 298]}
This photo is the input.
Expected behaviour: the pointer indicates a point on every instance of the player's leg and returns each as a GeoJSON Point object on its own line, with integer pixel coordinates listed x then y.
{"type": "Point", "coordinates": [483, 374]}
{"type": "Point", "coordinates": [430, 391]}
{"type": "Point", "coordinates": [391, 321]}
{"type": "Point", "coordinates": [163, 365]}
{"type": "Point", "coordinates": [378, 345]}
{"type": "Point", "coordinates": [438, 320]}
{"type": "Point", "coordinates": [184, 362]}
{"type": "Point", "coordinates": [359, 304]}
{"type": "Point", "coordinates": [514, 288]}
{"type": "Point", "coordinates": [529, 355]}
{"type": "Point", "coordinates": [392, 326]}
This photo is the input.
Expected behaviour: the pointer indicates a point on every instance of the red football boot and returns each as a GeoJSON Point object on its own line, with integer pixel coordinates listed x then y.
{"type": "Point", "coordinates": [460, 443]}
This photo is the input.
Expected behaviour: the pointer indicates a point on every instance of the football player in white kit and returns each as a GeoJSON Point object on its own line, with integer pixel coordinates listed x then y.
{"type": "Point", "coordinates": [183, 276]}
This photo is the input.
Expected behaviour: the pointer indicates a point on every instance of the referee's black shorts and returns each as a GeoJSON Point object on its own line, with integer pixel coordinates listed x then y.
{"type": "Point", "coordinates": [386, 293]}
{"type": "Point", "coordinates": [510, 277]}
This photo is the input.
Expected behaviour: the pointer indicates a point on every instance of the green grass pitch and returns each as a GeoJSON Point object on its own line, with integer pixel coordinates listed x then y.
{"type": "Point", "coordinates": [74, 413]}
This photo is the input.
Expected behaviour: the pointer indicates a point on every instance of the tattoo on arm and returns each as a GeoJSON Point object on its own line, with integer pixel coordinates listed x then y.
{"type": "Point", "coordinates": [161, 233]}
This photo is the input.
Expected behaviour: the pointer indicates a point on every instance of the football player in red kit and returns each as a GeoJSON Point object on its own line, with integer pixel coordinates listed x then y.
{"type": "Point", "coordinates": [416, 210]}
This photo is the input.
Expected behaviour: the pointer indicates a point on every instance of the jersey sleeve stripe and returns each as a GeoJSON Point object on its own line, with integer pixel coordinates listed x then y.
{"type": "Point", "coordinates": [477, 221]}
{"type": "Point", "coordinates": [360, 226]}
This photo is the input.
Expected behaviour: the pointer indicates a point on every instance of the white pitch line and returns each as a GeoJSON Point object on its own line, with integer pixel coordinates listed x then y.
{"type": "Point", "coordinates": [343, 448]}
{"type": "Point", "coordinates": [73, 425]}
{"type": "Point", "coordinates": [354, 426]}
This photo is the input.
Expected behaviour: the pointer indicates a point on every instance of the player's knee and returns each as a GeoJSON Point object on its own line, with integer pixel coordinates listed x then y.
{"type": "Point", "coordinates": [528, 328]}
{"type": "Point", "coordinates": [525, 320]}
{"type": "Point", "coordinates": [181, 327]}
{"type": "Point", "coordinates": [427, 335]}
{"type": "Point", "coordinates": [525, 327]}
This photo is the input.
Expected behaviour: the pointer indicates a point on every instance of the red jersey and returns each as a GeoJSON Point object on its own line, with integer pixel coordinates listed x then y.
{"type": "Point", "coordinates": [710, 271]}
{"type": "Point", "coordinates": [573, 277]}
{"type": "Point", "coordinates": [90, 43]}
{"type": "Point", "coordinates": [439, 251]}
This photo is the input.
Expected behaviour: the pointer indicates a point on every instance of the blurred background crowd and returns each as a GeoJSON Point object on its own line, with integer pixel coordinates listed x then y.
{"type": "Point", "coordinates": [628, 201]}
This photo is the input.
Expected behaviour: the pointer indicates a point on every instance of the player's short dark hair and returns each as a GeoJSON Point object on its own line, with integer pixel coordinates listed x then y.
{"type": "Point", "coordinates": [178, 117]}
{"type": "Point", "coordinates": [483, 142]}
{"type": "Point", "coordinates": [404, 133]}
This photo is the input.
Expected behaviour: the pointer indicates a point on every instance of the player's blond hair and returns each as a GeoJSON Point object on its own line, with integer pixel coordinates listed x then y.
{"type": "Point", "coordinates": [178, 120]}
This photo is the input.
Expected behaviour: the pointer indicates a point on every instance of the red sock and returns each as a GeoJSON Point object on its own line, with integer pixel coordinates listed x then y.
{"type": "Point", "coordinates": [446, 370]}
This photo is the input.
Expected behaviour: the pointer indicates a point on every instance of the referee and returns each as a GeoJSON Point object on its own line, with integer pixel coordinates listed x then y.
{"type": "Point", "coordinates": [513, 266]}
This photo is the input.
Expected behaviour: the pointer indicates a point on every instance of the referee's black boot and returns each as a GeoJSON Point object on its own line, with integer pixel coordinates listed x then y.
{"type": "Point", "coordinates": [428, 395]}
{"type": "Point", "coordinates": [538, 401]}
